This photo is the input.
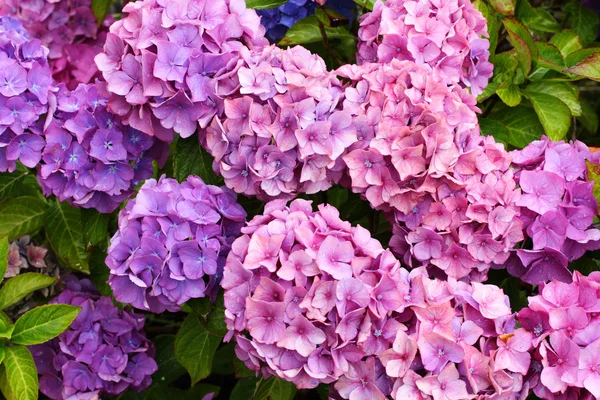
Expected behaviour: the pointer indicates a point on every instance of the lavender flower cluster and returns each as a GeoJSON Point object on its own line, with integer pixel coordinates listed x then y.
{"type": "Point", "coordinates": [22, 254]}
{"type": "Point", "coordinates": [444, 34]}
{"type": "Point", "coordinates": [449, 191]}
{"type": "Point", "coordinates": [25, 87]}
{"type": "Point", "coordinates": [284, 131]}
{"type": "Point", "coordinates": [313, 300]}
{"type": "Point", "coordinates": [557, 208]}
{"type": "Point", "coordinates": [171, 63]}
{"type": "Point", "coordinates": [172, 242]}
{"type": "Point", "coordinates": [102, 353]}
{"type": "Point", "coordinates": [91, 159]}
{"type": "Point", "coordinates": [69, 29]}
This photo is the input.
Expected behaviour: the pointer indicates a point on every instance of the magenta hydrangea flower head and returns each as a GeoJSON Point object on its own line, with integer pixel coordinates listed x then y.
{"type": "Point", "coordinates": [446, 35]}
{"type": "Point", "coordinates": [103, 353]}
{"type": "Point", "coordinates": [26, 89]}
{"type": "Point", "coordinates": [313, 300]}
{"type": "Point", "coordinates": [172, 242]}
{"type": "Point", "coordinates": [563, 323]}
{"type": "Point", "coordinates": [558, 208]}
{"type": "Point", "coordinates": [91, 159]}
{"type": "Point", "coordinates": [284, 131]}
{"type": "Point", "coordinates": [171, 64]}
{"type": "Point", "coordinates": [69, 29]}
{"type": "Point", "coordinates": [448, 190]}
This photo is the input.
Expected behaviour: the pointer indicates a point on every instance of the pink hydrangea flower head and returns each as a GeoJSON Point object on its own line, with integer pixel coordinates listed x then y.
{"type": "Point", "coordinates": [170, 65]}
{"type": "Point", "coordinates": [171, 246]}
{"type": "Point", "coordinates": [447, 36]}
{"type": "Point", "coordinates": [26, 93]}
{"type": "Point", "coordinates": [69, 30]}
{"type": "Point", "coordinates": [91, 159]}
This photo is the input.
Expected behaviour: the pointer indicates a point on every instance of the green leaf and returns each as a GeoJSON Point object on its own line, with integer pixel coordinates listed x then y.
{"type": "Point", "coordinates": [554, 115]}
{"type": "Point", "coordinates": [99, 273]}
{"type": "Point", "coordinates": [21, 285]}
{"type": "Point", "coordinates": [43, 323]}
{"type": "Point", "coordinates": [274, 388]}
{"type": "Point", "coordinates": [491, 127]}
{"type": "Point", "coordinates": [22, 216]}
{"type": "Point", "coordinates": [100, 8]}
{"type": "Point", "coordinates": [593, 172]}
{"type": "Point", "coordinates": [521, 123]}
{"type": "Point", "coordinates": [95, 226]}
{"type": "Point", "coordinates": [577, 56]}
{"type": "Point", "coordinates": [505, 7]}
{"type": "Point", "coordinates": [3, 256]}
{"type": "Point", "coordinates": [493, 23]}
{"type": "Point", "coordinates": [6, 330]}
{"type": "Point", "coordinates": [549, 56]}
{"type": "Point", "coordinates": [307, 31]}
{"type": "Point", "coordinates": [563, 91]}
{"type": "Point", "coordinates": [368, 4]}
{"type": "Point", "coordinates": [510, 95]}
{"type": "Point", "coordinates": [588, 117]}
{"type": "Point", "coordinates": [588, 67]}
{"type": "Point", "coordinates": [200, 306]}
{"type": "Point", "coordinates": [4, 386]}
{"type": "Point", "coordinates": [20, 182]}
{"type": "Point", "coordinates": [566, 41]}
{"type": "Point", "coordinates": [488, 92]}
{"type": "Point", "coordinates": [65, 233]}
{"type": "Point", "coordinates": [264, 4]}
{"type": "Point", "coordinates": [323, 391]}
{"type": "Point", "coordinates": [244, 389]}
{"type": "Point", "coordinates": [223, 361]}
{"type": "Point", "coordinates": [191, 159]}
{"type": "Point", "coordinates": [536, 18]}
{"type": "Point", "coordinates": [240, 370]}
{"type": "Point", "coordinates": [583, 21]}
{"type": "Point", "coordinates": [169, 369]}
{"type": "Point", "coordinates": [522, 41]}
{"type": "Point", "coordinates": [21, 373]}
{"type": "Point", "coordinates": [197, 341]}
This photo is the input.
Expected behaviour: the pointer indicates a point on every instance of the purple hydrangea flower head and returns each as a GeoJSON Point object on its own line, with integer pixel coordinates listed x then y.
{"type": "Point", "coordinates": [558, 208]}
{"type": "Point", "coordinates": [103, 353]}
{"type": "Point", "coordinates": [171, 64]}
{"type": "Point", "coordinates": [284, 131]}
{"type": "Point", "coordinates": [445, 35]}
{"type": "Point", "coordinates": [448, 190]}
{"type": "Point", "coordinates": [70, 31]}
{"type": "Point", "coordinates": [172, 242]}
{"type": "Point", "coordinates": [26, 91]}
{"type": "Point", "coordinates": [312, 300]}
{"type": "Point", "coordinates": [91, 159]}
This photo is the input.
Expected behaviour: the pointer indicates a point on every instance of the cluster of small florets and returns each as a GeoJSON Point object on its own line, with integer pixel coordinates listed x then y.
{"type": "Point", "coordinates": [563, 323]}
{"type": "Point", "coordinates": [103, 353]}
{"type": "Point", "coordinates": [284, 132]}
{"type": "Point", "coordinates": [172, 242]}
{"type": "Point", "coordinates": [24, 255]}
{"type": "Point", "coordinates": [558, 209]}
{"type": "Point", "coordinates": [69, 29]}
{"type": "Point", "coordinates": [25, 87]}
{"type": "Point", "coordinates": [445, 35]}
{"type": "Point", "coordinates": [448, 189]}
{"type": "Point", "coordinates": [170, 63]}
{"type": "Point", "coordinates": [91, 159]}
{"type": "Point", "coordinates": [314, 300]}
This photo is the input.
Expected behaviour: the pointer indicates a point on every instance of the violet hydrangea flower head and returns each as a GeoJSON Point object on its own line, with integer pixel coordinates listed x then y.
{"type": "Point", "coordinates": [284, 131]}
{"type": "Point", "coordinates": [91, 159]}
{"type": "Point", "coordinates": [71, 32]}
{"type": "Point", "coordinates": [172, 242]}
{"type": "Point", "coordinates": [313, 300]}
{"type": "Point", "coordinates": [558, 208]}
{"type": "Point", "coordinates": [26, 88]}
{"type": "Point", "coordinates": [446, 35]}
{"type": "Point", "coordinates": [103, 353]}
{"type": "Point", "coordinates": [170, 63]}
{"type": "Point", "coordinates": [448, 190]}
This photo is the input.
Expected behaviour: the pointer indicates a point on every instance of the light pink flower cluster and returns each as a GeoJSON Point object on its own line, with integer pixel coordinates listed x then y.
{"type": "Point", "coordinates": [284, 130]}
{"type": "Point", "coordinates": [443, 34]}
{"type": "Point", "coordinates": [69, 29]}
{"type": "Point", "coordinates": [169, 63]}
{"type": "Point", "coordinates": [563, 323]}
{"type": "Point", "coordinates": [313, 300]}
{"type": "Point", "coordinates": [558, 208]}
{"type": "Point", "coordinates": [449, 190]}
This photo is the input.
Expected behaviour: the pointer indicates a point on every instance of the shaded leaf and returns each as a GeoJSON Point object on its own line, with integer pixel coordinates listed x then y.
{"type": "Point", "coordinates": [264, 4]}
{"type": "Point", "coordinates": [100, 8]}
{"type": "Point", "coordinates": [274, 388]}
{"type": "Point", "coordinates": [21, 285]}
{"type": "Point", "coordinates": [169, 369]}
{"type": "Point", "coordinates": [65, 233]}
{"type": "Point", "coordinates": [240, 370]}
{"type": "Point", "coordinates": [583, 21]}
{"type": "Point", "coordinates": [21, 373]}
{"type": "Point", "coordinates": [554, 115]}
{"type": "Point", "coordinates": [95, 226]}
{"type": "Point", "coordinates": [491, 127]}
{"type": "Point", "coordinates": [191, 159]}
{"type": "Point", "coordinates": [521, 123]}
{"type": "Point", "coordinates": [223, 361]}
{"type": "Point", "coordinates": [3, 256]}
{"type": "Point", "coordinates": [20, 182]}
{"type": "Point", "coordinates": [588, 117]}
{"type": "Point", "coordinates": [99, 272]}
{"type": "Point", "coordinates": [244, 389]}
{"type": "Point", "coordinates": [307, 31]}
{"type": "Point", "coordinates": [536, 18]}
{"type": "Point", "coordinates": [22, 216]}
{"type": "Point", "coordinates": [43, 323]}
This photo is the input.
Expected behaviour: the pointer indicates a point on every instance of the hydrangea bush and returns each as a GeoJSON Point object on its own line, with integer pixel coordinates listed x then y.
{"type": "Point", "coordinates": [314, 199]}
